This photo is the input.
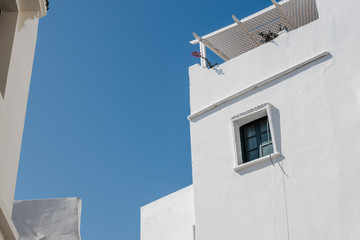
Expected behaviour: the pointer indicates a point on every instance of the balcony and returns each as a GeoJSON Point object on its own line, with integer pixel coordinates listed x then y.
{"type": "Point", "coordinates": [245, 35]}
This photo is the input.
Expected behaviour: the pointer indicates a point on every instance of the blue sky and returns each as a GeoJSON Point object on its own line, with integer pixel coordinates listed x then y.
{"type": "Point", "coordinates": [106, 116]}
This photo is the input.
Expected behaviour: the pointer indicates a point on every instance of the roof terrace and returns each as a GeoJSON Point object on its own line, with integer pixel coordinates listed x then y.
{"type": "Point", "coordinates": [257, 29]}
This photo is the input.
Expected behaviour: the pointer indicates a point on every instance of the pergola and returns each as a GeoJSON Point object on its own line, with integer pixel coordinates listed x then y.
{"type": "Point", "coordinates": [244, 35]}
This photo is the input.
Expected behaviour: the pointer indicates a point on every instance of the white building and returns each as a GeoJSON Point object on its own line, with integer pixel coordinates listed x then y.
{"type": "Point", "coordinates": [274, 131]}
{"type": "Point", "coordinates": [18, 32]}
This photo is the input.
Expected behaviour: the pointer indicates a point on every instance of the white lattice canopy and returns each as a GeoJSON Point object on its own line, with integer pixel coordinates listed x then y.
{"type": "Point", "coordinates": [244, 35]}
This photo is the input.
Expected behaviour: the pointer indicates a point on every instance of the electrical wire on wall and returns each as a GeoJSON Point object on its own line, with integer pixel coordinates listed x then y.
{"type": "Point", "coordinates": [275, 194]}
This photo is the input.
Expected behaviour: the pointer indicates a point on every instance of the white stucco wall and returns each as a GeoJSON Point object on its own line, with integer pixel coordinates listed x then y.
{"type": "Point", "coordinates": [317, 115]}
{"type": "Point", "coordinates": [169, 218]}
{"type": "Point", "coordinates": [48, 219]}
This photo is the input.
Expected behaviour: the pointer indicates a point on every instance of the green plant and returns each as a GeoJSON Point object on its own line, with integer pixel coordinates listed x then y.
{"type": "Point", "coordinates": [267, 37]}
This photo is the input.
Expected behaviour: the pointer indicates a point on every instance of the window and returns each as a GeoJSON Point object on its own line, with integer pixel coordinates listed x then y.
{"type": "Point", "coordinates": [256, 139]}
{"type": "Point", "coordinates": [254, 136]}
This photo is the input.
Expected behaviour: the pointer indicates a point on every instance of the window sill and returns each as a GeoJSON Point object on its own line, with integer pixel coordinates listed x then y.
{"type": "Point", "coordinates": [256, 162]}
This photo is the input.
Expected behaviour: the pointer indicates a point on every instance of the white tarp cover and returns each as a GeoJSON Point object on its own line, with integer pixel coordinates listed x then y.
{"type": "Point", "coordinates": [48, 219]}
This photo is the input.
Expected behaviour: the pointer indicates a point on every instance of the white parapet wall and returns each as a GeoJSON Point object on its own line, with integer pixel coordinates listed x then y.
{"type": "Point", "coordinates": [48, 219]}
{"type": "Point", "coordinates": [169, 218]}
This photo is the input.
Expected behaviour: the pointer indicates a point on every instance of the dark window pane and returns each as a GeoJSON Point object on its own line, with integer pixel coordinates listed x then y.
{"type": "Point", "coordinates": [252, 155]}
{"type": "Point", "coordinates": [263, 124]}
{"type": "Point", "coordinates": [251, 144]}
{"type": "Point", "coordinates": [264, 137]}
{"type": "Point", "coordinates": [249, 131]}
{"type": "Point", "coordinates": [267, 149]}
{"type": "Point", "coordinates": [256, 139]}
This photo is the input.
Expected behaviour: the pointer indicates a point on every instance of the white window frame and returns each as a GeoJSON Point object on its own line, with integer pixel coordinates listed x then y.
{"type": "Point", "coordinates": [246, 117]}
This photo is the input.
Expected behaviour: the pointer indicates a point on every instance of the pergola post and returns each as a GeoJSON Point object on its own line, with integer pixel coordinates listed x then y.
{"type": "Point", "coordinates": [203, 54]}
{"type": "Point", "coordinates": [211, 47]}
{"type": "Point", "coordinates": [277, 6]}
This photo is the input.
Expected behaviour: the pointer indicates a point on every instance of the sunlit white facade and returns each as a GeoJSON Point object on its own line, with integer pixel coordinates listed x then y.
{"type": "Point", "coordinates": [305, 82]}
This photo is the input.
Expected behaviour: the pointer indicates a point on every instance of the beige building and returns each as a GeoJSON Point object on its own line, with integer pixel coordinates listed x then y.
{"type": "Point", "coordinates": [19, 21]}
{"type": "Point", "coordinates": [18, 31]}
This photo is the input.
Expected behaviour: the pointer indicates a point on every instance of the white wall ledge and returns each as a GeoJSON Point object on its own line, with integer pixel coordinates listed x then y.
{"type": "Point", "coordinates": [270, 157]}
{"type": "Point", "coordinates": [259, 84]}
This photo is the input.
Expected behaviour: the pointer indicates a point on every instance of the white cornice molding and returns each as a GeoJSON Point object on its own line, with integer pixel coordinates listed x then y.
{"type": "Point", "coordinates": [43, 11]}
{"type": "Point", "coordinates": [257, 108]}
{"type": "Point", "coordinates": [37, 6]}
{"type": "Point", "coordinates": [30, 10]}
